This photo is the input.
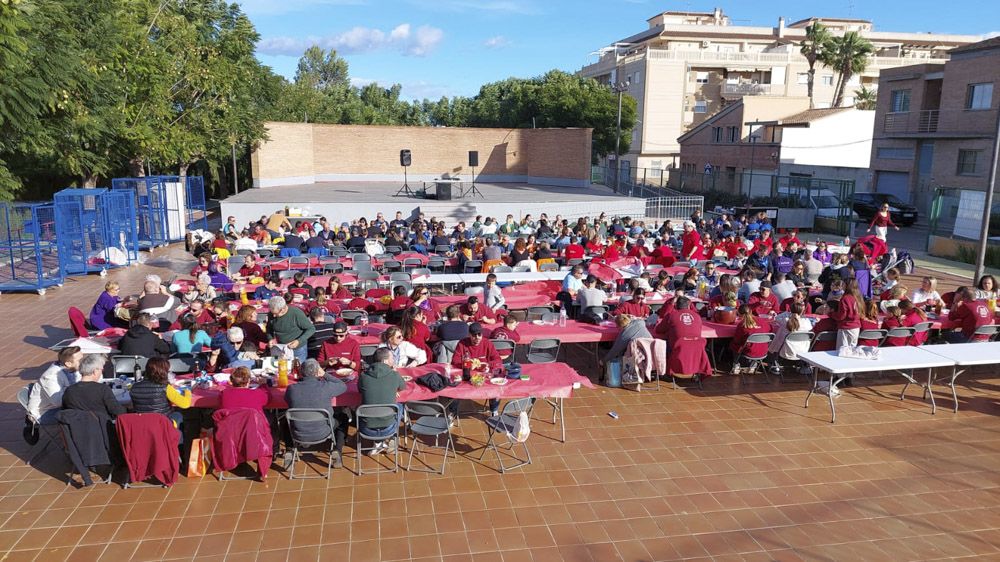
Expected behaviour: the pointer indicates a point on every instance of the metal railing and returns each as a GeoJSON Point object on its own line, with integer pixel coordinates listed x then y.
{"type": "Point", "coordinates": [673, 209]}
{"type": "Point", "coordinates": [747, 89]}
{"type": "Point", "coordinates": [940, 121]}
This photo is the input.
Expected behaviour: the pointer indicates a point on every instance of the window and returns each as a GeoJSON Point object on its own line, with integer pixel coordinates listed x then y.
{"type": "Point", "coordinates": [730, 173]}
{"type": "Point", "coordinates": [968, 162]}
{"type": "Point", "coordinates": [716, 134]}
{"type": "Point", "coordinates": [900, 101]}
{"type": "Point", "coordinates": [894, 153]}
{"type": "Point", "coordinates": [732, 134]}
{"type": "Point", "coordinates": [980, 96]}
{"type": "Point", "coordinates": [700, 106]}
{"type": "Point", "coordinates": [828, 79]}
{"type": "Point", "coordinates": [701, 77]}
{"type": "Point", "coordinates": [802, 78]}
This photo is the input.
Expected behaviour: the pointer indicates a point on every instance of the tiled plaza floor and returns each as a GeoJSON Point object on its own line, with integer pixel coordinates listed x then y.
{"type": "Point", "coordinates": [728, 473]}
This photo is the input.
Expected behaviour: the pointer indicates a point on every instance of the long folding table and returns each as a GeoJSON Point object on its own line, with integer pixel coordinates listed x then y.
{"type": "Point", "coordinates": [961, 355]}
{"type": "Point", "coordinates": [903, 360]}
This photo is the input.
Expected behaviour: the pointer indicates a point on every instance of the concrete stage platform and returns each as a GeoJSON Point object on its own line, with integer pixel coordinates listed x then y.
{"type": "Point", "coordinates": [344, 201]}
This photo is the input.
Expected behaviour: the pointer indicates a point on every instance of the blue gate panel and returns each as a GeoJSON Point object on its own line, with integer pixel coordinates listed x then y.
{"type": "Point", "coordinates": [29, 258]}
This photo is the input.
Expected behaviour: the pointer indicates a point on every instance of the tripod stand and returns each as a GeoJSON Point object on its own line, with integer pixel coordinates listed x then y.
{"type": "Point", "coordinates": [473, 190]}
{"type": "Point", "coordinates": [405, 190]}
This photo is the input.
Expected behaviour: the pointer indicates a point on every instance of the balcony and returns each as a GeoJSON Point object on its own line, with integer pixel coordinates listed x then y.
{"type": "Point", "coordinates": [746, 89]}
{"type": "Point", "coordinates": [940, 123]}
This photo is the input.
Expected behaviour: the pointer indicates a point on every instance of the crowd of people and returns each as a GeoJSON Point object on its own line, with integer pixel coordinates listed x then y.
{"type": "Point", "coordinates": [729, 269]}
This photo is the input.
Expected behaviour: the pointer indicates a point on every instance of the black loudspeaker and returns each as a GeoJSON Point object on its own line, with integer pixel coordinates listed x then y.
{"type": "Point", "coordinates": [444, 191]}
{"type": "Point", "coordinates": [473, 158]}
{"type": "Point", "coordinates": [405, 158]}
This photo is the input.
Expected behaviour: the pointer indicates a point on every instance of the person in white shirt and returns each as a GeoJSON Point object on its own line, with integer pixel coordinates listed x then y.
{"type": "Point", "coordinates": [926, 294]}
{"type": "Point", "coordinates": [782, 287]}
{"type": "Point", "coordinates": [404, 353]}
{"type": "Point", "coordinates": [590, 295]}
{"type": "Point", "coordinates": [46, 395]}
{"type": "Point", "coordinates": [789, 322]}
{"type": "Point", "coordinates": [492, 295]}
{"type": "Point", "coordinates": [244, 242]}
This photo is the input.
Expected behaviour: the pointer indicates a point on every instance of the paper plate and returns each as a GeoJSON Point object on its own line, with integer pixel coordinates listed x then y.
{"type": "Point", "coordinates": [407, 378]}
{"type": "Point", "coordinates": [538, 322]}
{"type": "Point", "coordinates": [499, 381]}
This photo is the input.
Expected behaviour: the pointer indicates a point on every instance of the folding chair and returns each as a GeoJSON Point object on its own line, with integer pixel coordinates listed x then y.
{"type": "Point", "coordinates": [520, 269]}
{"type": "Point", "coordinates": [49, 430]}
{"type": "Point", "coordinates": [332, 268]}
{"type": "Point", "coordinates": [400, 276]}
{"type": "Point", "coordinates": [368, 352]}
{"type": "Point", "coordinates": [922, 328]}
{"type": "Point", "coordinates": [549, 266]}
{"type": "Point", "coordinates": [442, 250]}
{"type": "Point", "coordinates": [360, 256]}
{"type": "Point", "coordinates": [264, 253]}
{"type": "Point", "coordinates": [312, 416]}
{"type": "Point", "coordinates": [394, 250]}
{"type": "Point", "coordinates": [550, 317]}
{"type": "Point", "coordinates": [390, 266]}
{"type": "Point", "coordinates": [543, 350]}
{"type": "Point", "coordinates": [363, 267]}
{"type": "Point", "coordinates": [472, 266]}
{"type": "Point", "coordinates": [508, 423]}
{"type": "Point", "coordinates": [899, 332]}
{"type": "Point", "coordinates": [756, 361]}
{"type": "Point", "coordinates": [287, 274]}
{"type": "Point", "coordinates": [126, 364]}
{"type": "Point", "coordinates": [419, 271]}
{"type": "Point", "coordinates": [183, 363]}
{"type": "Point", "coordinates": [794, 337]}
{"type": "Point", "coordinates": [877, 335]}
{"type": "Point", "coordinates": [78, 322]}
{"type": "Point", "coordinates": [375, 411]}
{"type": "Point", "coordinates": [501, 269]}
{"type": "Point", "coordinates": [400, 283]}
{"type": "Point", "coordinates": [368, 276]}
{"type": "Point", "coordinates": [428, 419]}
{"type": "Point", "coordinates": [437, 265]}
{"type": "Point", "coordinates": [412, 263]}
{"type": "Point", "coordinates": [503, 346]}
{"type": "Point", "coordinates": [537, 312]}
{"type": "Point", "coordinates": [823, 337]}
{"type": "Point", "coordinates": [353, 317]}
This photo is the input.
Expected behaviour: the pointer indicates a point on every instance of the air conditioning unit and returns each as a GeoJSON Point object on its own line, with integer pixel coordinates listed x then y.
{"type": "Point", "coordinates": [706, 44]}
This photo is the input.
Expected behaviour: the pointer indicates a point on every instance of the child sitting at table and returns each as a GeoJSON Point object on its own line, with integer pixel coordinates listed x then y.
{"type": "Point", "coordinates": [790, 322]}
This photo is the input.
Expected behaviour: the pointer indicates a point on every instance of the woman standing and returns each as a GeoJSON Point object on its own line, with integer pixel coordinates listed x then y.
{"type": "Point", "coordinates": [848, 315]}
{"type": "Point", "coordinates": [882, 221]}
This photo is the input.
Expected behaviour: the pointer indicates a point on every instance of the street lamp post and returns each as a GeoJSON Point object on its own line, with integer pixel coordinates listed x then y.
{"type": "Point", "coordinates": [984, 235]}
{"type": "Point", "coordinates": [753, 146]}
{"type": "Point", "coordinates": [619, 88]}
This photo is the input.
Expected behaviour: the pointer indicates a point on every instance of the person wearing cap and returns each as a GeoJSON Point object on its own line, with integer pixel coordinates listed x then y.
{"type": "Point", "coordinates": [473, 312]}
{"type": "Point", "coordinates": [476, 346]}
{"type": "Point", "coordinates": [316, 390]}
{"type": "Point", "coordinates": [342, 351]}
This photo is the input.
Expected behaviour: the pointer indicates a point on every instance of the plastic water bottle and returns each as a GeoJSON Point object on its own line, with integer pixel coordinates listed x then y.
{"type": "Point", "coordinates": [847, 241]}
{"type": "Point", "coordinates": [562, 318]}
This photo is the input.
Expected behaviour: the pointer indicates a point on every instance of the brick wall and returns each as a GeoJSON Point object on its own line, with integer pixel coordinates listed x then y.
{"type": "Point", "coordinates": [306, 153]}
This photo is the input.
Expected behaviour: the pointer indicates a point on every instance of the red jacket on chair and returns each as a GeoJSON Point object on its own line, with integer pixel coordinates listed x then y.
{"type": "Point", "coordinates": [241, 435]}
{"type": "Point", "coordinates": [149, 445]}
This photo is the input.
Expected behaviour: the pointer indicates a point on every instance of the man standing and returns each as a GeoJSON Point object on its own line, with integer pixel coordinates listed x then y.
{"type": "Point", "coordinates": [316, 390]}
{"type": "Point", "coordinates": [381, 384]}
{"type": "Point", "coordinates": [289, 326]}
{"type": "Point", "coordinates": [47, 394]}
{"type": "Point", "coordinates": [276, 222]}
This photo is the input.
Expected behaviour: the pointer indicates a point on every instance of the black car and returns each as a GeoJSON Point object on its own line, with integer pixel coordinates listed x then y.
{"type": "Point", "coordinates": [867, 204]}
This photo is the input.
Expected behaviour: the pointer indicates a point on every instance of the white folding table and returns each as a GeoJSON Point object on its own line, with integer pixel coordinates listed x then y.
{"type": "Point", "coordinates": [516, 276]}
{"type": "Point", "coordinates": [962, 355]}
{"type": "Point", "coordinates": [903, 360]}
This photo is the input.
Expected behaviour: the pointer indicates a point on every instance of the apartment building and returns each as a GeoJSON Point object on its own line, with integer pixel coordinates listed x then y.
{"type": "Point", "coordinates": [935, 125]}
{"type": "Point", "coordinates": [688, 66]}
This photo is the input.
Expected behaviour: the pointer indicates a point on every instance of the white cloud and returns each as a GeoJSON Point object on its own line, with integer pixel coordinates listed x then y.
{"type": "Point", "coordinates": [487, 6]}
{"type": "Point", "coordinates": [403, 38]}
{"type": "Point", "coordinates": [991, 34]}
{"type": "Point", "coordinates": [496, 42]}
{"type": "Point", "coordinates": [279, 7]}
{"type": "Point", "coordinates": [359, 82]}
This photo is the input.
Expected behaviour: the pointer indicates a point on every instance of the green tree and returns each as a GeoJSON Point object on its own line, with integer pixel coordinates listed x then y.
{"type": "Point", "coordinates": [865, 98]}
{"type": "Point", "coordinates": [815, 48]}
{"type": "Point", "coordinates": [848, 56]}
{"type": "Point", "coordinates": [321, 70]}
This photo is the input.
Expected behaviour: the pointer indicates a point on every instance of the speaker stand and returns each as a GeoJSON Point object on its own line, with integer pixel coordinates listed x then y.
{"type": "Point", "coordinates": [405, 190]}
{"type": "Point", "coordinates": [473, 190]}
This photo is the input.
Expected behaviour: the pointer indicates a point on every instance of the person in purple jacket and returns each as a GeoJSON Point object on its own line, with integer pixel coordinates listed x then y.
{"type": "Point", "coordinates": [102, 315]}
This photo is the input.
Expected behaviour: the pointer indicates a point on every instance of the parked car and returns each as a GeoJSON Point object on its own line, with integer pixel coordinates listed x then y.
{"type": "Point", "coordinates": [867, 204]}
{"type": "Point", "coordinates": [824, 201]}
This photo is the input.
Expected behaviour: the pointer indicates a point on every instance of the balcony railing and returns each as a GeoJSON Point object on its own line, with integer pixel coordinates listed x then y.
{"type": "Point", "coordinates": [746, 89]}
{"type": "Point", "coordinates": [938, 122]}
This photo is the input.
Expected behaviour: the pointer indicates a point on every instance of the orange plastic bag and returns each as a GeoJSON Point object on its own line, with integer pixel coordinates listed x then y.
{"type": "Point", "coordinates": [200, 455]}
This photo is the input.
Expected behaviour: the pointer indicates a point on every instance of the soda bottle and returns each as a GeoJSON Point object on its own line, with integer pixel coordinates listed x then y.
{"type": "Point", "coordinates": [137, 372]}
{"type": "Point", "coordinates": [282, 372]}
{"type": "Point", "coordinates": [296, 366]}
{"type": "Point", "coordinates": [562, 318]}
{"type": "Point", "coordinates": [243, 295]}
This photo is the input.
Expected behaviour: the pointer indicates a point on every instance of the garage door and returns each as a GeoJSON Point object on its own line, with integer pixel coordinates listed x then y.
{"type": "Point", "coordinates": [894, 183]}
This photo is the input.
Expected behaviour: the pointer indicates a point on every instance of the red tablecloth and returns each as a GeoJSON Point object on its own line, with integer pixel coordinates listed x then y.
{"type": "Point", "coordinates": [552, 380]}
{"type": "Point", "coordinates": [515, 301]}
{"type": "Point", "coordinates": [573, 332]}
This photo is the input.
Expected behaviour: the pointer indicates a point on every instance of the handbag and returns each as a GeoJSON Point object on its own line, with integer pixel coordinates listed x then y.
{"type": "Point", "coordinates": [200, 454]}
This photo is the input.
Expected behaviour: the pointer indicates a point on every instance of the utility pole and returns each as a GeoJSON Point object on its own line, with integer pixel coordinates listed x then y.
{"type": "Point", "coordinates": [984, 234]}
{"type": "Point", "coordinates": [236, 186]}
{"type": "Point", "coordinates": [619, 88]}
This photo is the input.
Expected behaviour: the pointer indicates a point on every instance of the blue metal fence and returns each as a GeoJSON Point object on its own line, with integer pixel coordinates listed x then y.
{"type": "Point", "coordinates": [197, 210]}
{"type": "Point", "coordinates": [96, 230]}
{"type": "Point", "coordinates": [29, 259]}
{"type": "Point", "coordinates": [151, 216]}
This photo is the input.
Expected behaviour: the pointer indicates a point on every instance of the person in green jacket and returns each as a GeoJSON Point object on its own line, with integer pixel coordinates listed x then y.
{"type": "Point", "coordinates": [289, 326]}
{"type": "Point", "coordinates": [381, 384]}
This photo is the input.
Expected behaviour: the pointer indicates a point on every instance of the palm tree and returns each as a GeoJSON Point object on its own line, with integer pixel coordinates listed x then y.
{"type": "Point", "coordinates": [848, 56]}
{"type": "Point", "coordinates": [815, 48]}
{"type": "Point", "coordinates": [865, 98]}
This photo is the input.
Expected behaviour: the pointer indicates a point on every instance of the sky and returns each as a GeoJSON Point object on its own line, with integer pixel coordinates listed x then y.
{"type": "Point", "coordinates": [437, 48]}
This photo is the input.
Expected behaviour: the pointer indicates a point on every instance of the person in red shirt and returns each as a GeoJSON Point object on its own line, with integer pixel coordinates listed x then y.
{"type": "Point", "coordinates": [472, 311]}
{"type": "Point", "coordinates": [765, 241]}
{"type": "Point", "coordinates": [507, 332]}
{"type": "Point", "coordinates": [204, 261]}
{"type": "Point", "coordinates": [687, 346]}
{"type": "Point", "coordinates": [870, 321]}
{"type": "Point", "coordinates": [747, 325]}
{"type": "Point", "coordinates": [611, 252]}
{"type": "Point", "coordinates": [791, 236]}
{"type": "Point", "coordinates": [763, 301]}
{"type": "Point", "coordinates": [636, 307]}
{"type": "Point", "coordinates": [707, 247]}
{"type": "Point", "coordinates": [400, 301]}
{"type": "Point", "coordinates": [324, 302]}
{"type": "Point", "coordinates": [573, 251]}
{"type": "Point", "coordinates": [913, 315]}
{"type": "Point", "coordinates": [690, 242]}
{"type": "Point", "coordinates": [825, 324]}
{"type": "Point", "coordinates": [799, 296]}
{"type": "Point", "coordinates": [415, 330]}
{"type": "Point", "coordinates": [250, 268]}
{"type": "Point", "coordinates": [335, 289]}
{"type": "Point", "coordinates": [969, 314]}
{"type": "Point", "coordinates": [848, 315]}
{"type": "Point", "coordinates": [477, 347]}
{"type": "Point", "coordinates": [663, 254]}
{"type": "Point", "coordinates": [732, 246]}
{"type": "Point", "coordinates": [341, 351]}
